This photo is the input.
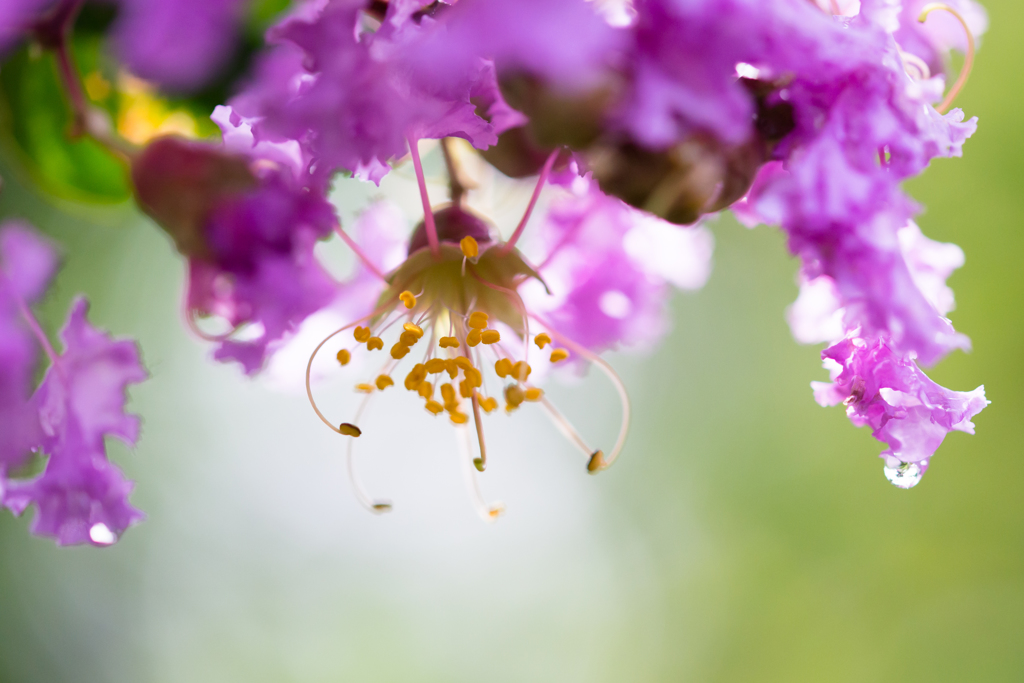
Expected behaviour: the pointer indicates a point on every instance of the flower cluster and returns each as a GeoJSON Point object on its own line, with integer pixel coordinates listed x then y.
{"type": "Point", "coordinates": [635, 119]}
{"type": "Point", "coordinates": [80, 496]}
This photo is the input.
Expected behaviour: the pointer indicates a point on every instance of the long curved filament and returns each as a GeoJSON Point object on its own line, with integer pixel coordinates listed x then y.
{"type": "Point", "coordinates": [489, 512]}
{"type": "Point", "coordinates": [358, 251]}
{"type": "Point", "coordinates": [620, 441]}
{"type": "Point", "coordinates": [428, 213]}
{"type": "Point", "coordinates": [309, 365]}
{"type": "Point", "coordinates": [541, 180]}
{"type": "Point", "coordinates": [947, 101]}
{"type": "Point", "coordinates": [377, 507]}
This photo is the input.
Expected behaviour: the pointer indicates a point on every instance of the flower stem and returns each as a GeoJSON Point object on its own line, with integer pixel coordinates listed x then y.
{"type": "Point", "coordinates": [544, 172]}
{"type": "Point", "coordinates": [428, 214]}
{"type": "Point", "coordinates": [358, 252]}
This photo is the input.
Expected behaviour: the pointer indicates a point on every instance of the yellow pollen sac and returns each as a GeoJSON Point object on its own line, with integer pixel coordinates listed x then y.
{"type": "Point", "coordinates": [409, 338]}
{"type": "Point", "coordinates": [435, 365]}
{"type": "Point", "coordinates": [490, 337]}
{"type": "Point", "coordinates": [534, 394]}
{"type": "Point", "coordinates": [473, 376]}
{"type": "Point", "coordinates": [449, 342]}
{"type": "Point", "coordinates": [473, 338]}
{"type": "Point", "coordinates": [408, 298]}
{"type": "Point", "coordinates": [434, 407]}
{"type": "Point", "coordinates": [458, 418]}
{"type": "Point", "coordinates": [415, 376]}
{"type": "Point", "coordinates": [383, 382]}
{"type": "Point", "coordinates": [521, 371]}
{"type": "Point", "coordinates": [489, 404]}
{"type": "Point", "coordinates": [415, 329]}
{"type": "Point", "coordinates": [344, 356]}
{"type": "Point", "coordinates": [451, 367]}
{"type": "Point", "coordinates": [542, 340]}
{"type": "Point", "coordinates": [426, 390]}
{"type": "Point", "coordinates": [349, 429]}
{"type": "Point", "coordinates": [466, 388]}
{"type": "Point", "coordinates": [361, 334]}
{"type": "Point", "coordinates": [478, 320]}
{"type": "Point", "coordinates": [597, 462]}
{"type": "Point", "coordinates": [463, 362]}
{"type": "Point", "coordinates": [374, 343]}
{"type": "Point", "coordinates": [399, 350]}
{"type": "Point", "coordinates": [559, 354]}
{"type": "Point", "coordinates": [448, 393]}
{"type": "Point", "coordinates": [514, 395]}
{"type": "Point", "coordinates": [503, 367]}
{"type": "Point", "coordinates": [364, 388]}
{"type": "Point", "coordinates": [469, 247]}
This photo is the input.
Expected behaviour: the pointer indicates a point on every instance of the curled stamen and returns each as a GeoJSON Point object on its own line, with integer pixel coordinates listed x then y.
{"type": "Point", "coordinates": [377, 507]}
{"type": "Point", "coordinates": [947, 101]}
{"type": "Point", "coordinates": [602, 462]}
{"type": "Point", "coordinates": [312, 356]}
{"type": "Point", "coordinates": [914, 66]}
{"type": "Point", "coordinates": [488, 512]}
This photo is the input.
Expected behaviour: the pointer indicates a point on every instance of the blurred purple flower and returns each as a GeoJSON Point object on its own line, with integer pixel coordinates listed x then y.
{"type": "Point", "coordinates": [904, 409]}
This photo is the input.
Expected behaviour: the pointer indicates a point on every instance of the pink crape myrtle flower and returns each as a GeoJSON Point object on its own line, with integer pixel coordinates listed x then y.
{"type": "Point", "coordinates": [81, 497]}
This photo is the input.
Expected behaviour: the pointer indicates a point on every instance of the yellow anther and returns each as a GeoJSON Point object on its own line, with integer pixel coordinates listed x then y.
{"type": "Point", "coordinates": [559, 354]}
{"type": "Point", "coordinates": [490, 337]}
{"type": "Point", "coordinates": [451, 367]}
{"type": "Point", "coordinates": [473, 338]}
{"type": "Point", "coordinates": [408, 298]}
{"type": "Point", "coordinates": [478, 320]}
{"type": "Point", "coordinates": [463, 362]}
{"type": "Point", "coordinates": [361, 334]}
{"type": "Point", "coordinates": [349, 429]}
{"type": "Point", "coordinates": [415, 329]}
{"type": "Point", "coordinates": [521, 371]}
{"type": "Point", "coordinates": [503, 367]}
{"type": "Point", "coordinates": [415, 376]}
{"type": "Point", "coordinates": [374, 343]}
{"type": "Point", "coordinates": [489, 404]}
{"type": "Point", "coordinates": [448, 393]}
{"type": "Point", "coordinates": [344, 356]}
{"type": "Point", "coordinates": [426, 390]}
{"type": "Point", "coordinates": [383, 382]}
{"type": "Point", "coordinates": [541, 340]}
{"type": "Point", "coordinates": [409, 338]}
{"type": "Point", "coordinates": [364, 388]}
{"type": "Point", "coordinates": [399, 350]}
{"type": "Point", "coordinates": [458, 418]}
{"type": "Point", "coordinates": [597, 462]}
{"type": "Point", "coordinates": [435, 365]}
{"type": "Point", "coordinates": [534, 394]}
{"type": "Point", "coordinates": [473, 376]}
{"type": "Point", "coordinates": [435, 407]}
{"type": "Point", "coordinates": [466, 388]}
{"type": "Point", "coordinates": [449, 342]}
{"type": "Point", "coordinates": [469, 247]}
{"type": "Point", "coordinates": [514, 395]}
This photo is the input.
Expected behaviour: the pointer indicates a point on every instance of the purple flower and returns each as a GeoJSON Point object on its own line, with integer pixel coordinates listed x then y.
{"type": "Point", "coordinates": [353, 99]}
{"type": "Point", "coordinates": [17, 18]}
{"type": "Point", "coordinates": [609, 266]}
{"type": "Point", "coordinates": [904, 409]}
{"type": "Point", "coordinates": [81, 497]}
{"type": "Point", "coordinates": [178, 44]}
{"type": "Point", "coordinates": [26, 265]}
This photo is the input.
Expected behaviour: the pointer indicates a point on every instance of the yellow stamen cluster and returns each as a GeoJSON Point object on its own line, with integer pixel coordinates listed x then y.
{"type": "Point", "coordinates": [478, 331]}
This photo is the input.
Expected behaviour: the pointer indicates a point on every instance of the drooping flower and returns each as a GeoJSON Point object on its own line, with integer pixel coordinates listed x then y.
{"type": "Point", "coordinates": [906, 410]}
{"type": "Point", "coordinates": [248, 227]}
{"type": "Point", "coordinates": [80, 496]}
{"type": "Point", "coordinates": [475, 311]}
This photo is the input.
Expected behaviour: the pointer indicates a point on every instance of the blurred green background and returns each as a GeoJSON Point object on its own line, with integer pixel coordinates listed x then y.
{"type": "Point", "coordinates": [745, 535]}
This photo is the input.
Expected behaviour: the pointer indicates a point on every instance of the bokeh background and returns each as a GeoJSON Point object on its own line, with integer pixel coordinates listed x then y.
{"type": "Point", "coordinates": [745, 535]}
